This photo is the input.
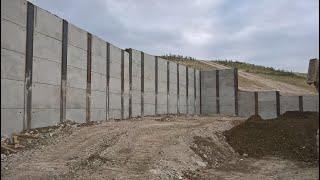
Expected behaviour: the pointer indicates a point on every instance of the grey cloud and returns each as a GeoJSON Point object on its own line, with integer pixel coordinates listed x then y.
{"type": "Point", "coordinates": [283, 34]}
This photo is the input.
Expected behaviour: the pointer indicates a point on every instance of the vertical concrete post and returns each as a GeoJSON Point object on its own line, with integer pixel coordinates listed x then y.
{"type": "Point", "coordinates": [130, 83]}
{"type": "Point", "coordinates": [217, 93]}
{"type": "Point", "coordinates": [28, 67]}
{"type": "Point", "coordinates": [236, 92]}
{"type": "Point", "coordinates": [301, 103]}
{"type": "Point", "coordinates": [178, 93]}
{"type": "Point", "coordinates": [108, 79]}
{"type": "Point", "coordinates": [122, 83]}
{"type": "Point", "coordinates": [278, 103]}
{"type": "Point", "coordinates": [156, 85]}
{"type": "Point", "coordinates": [256, 103]}
{"type": "Point", "coordinates": [168, 85]}
{"type": "Point", "coordinates": [142, 84]}
{"type": "Point", "coordinates": [187, 90]}
{"type": "Point", "coordinates": [64, 70]}
{"type": "Point", "coordinates": [88, 92]}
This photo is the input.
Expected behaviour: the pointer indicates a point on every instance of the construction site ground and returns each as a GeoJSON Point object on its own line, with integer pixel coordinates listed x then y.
{"type": "Point", "coordinates": [167, 147]}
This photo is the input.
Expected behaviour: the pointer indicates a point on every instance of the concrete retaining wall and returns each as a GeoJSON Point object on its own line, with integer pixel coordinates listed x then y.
{"type": "Point", "coordinates": [289, 103]}
{"type": "Point", "coordinates": [99, 80]}
{"type": "Point", "coordinates": [208, 93]}
{"type": "Point", "coordinates": [162, 87]}
{"type": "Point", "coordinates": [182, 107]}
{"type": "Point", "coordinates": [149, 85]}
{"type": "Point", "coordinates": [246, 103]}
{"type": "Point", "coordinates": [13, 50]}
{"type": "Point", "coordinates": [46, 69]}
{"type": "Point", "coordinates": [310, 103]}
{"type": "Point", "coordinates": [53, 71]}
{"type": "Point", "coordinates": [173, 92]}
{"type": "Point", "coordinates": [136, 82]}
{"type": "Point", "coordinates": [76, 74]}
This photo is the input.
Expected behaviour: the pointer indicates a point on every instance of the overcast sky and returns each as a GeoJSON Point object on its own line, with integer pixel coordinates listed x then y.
{"type": "Point", "coordinates": [279, 33]}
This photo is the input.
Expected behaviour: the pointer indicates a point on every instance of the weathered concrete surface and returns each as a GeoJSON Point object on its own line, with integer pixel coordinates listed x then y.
{"type": "Point", "coordinates": [13, 47]}
{"type": "Point", "coordinates": [182, 90]}
{"type": "Point", "coordinates": [311, 103]}
{"type": "Point", "coordinates": [76, 74]}
{"type": "Point", "coordinates": [136, 83]}
{"type": "Point", "coordinates": [289, 103]}
{"type": "Point", "coordinates": [208, 90]}
{"type": "Point", "coordinates": [172, 97]}
{"type": "Point", "coordinates": [126, 90]}
{"type": "Point", "coordinates": [149, 85]}
{"type": "Point", "coordinates": [246, 104]}
{"type": "Point", "coordinates": [162, 87]}
{"type": "Point", "coordinates": [267, 104]}
{"type": "Point", "coordinates": [115, 83]}
{"type": "Point", "coordinates": [46, 79]}
{"type": "Point", "coordinates": [191, 103]}
{"type": "Point", "coordinates": [197, 100]}
{"type": "Point", "coordinates": [98, 80]}
{"type": "Point", "coordinates": [226, 92]}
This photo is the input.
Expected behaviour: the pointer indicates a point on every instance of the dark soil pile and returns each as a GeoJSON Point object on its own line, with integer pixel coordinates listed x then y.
{"type": "Point", "coordinates": [291, 136]}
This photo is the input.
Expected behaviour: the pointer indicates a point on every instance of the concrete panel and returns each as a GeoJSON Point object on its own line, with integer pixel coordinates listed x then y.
{"type": "Point", "coordinates": [311, 103]}
{"type": "Point", "coordinates": [115, 100]}
{"type": "Point", "coordinates": [77, 37]}
{"type": "Point", "coordinates": [208, 96]}
{"type": "Point", "coordinates": [197, 101]}
{"type": "Point", "coordinates": [98, 100]}
{"type": "Point", "coordinates": [46, 48]}
{"type": "Point", "coordinates": [12, 65]}
{"type": "Point", "coordinates": [14, 11]}
{"type": "Point", "coordinates": [226, 92]}
{"type": "Point", "coordinates": [115, 113]}
{"type": "Point", "coordinates": [45, 71]}
{"type": "Point", "coordinates": [76, 78]}
{"type": "Point", "coordinates": [47, 24]}
{"type": "Point", "coordinates": [115, 85]}
{"type": "Point", "coordinates": [267, 104]}
{"type": "Point", "coordinates": [115, 69]}
{"type": "Point", "coordinates": [11, 120]}
{"type": "Point", "coordinates": [136, 103]}
{"type": "Point", "coordinates": [126, 86]}
{"type": "Point", "coordinates": [115, 54]}
{"type": "Point", "coordinates": [191, 91]}
{"type": "Point", "coordinates": [77, 115]}
{"type": "Point", "coordinates": [12, 94]}
{"type": "Point", "coordinates": [75, 98]}
{"type": "Point", "coordinates": [289, 103]}
{"type": "Point", "coordinates": [99, 64]}
{"type": "Point", "coordinates": [45, 117]}
{"type": "Point", "coordinates": [246, 104]}
{"type": "Point", "coordinates": [98, 114]}
{"type": "Point", "coordinates": [45, 96]}
{"type": "Point", "coordinates": [13, 36]}
{"type": "Point", "coordinates": [77, 57]}
{"type": "Point", "coordinates": [99, 47]}
{"type": "Point", "coordinates": [98, 82]}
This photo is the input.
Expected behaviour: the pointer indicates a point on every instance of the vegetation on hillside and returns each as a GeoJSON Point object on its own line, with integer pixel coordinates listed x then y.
{"type": "Point", "coordinates": [252, 68]}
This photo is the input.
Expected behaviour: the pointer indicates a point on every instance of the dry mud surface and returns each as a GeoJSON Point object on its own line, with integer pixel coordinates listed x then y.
{"type": "Point", "coordinates": [149, 148]}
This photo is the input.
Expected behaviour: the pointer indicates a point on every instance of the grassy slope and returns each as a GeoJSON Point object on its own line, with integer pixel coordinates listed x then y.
{"type": "Point", "coordinates": [293, 78]}
{"type": "Point", "coordinates": [297, 79]}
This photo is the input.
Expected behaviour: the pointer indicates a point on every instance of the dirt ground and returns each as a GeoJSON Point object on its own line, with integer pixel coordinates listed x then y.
{"type": "Point", "coordinates": [173, 147]}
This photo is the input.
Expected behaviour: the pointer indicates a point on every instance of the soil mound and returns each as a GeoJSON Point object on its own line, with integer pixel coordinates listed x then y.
{"type": "Point", "coordinates": [291, 136]}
